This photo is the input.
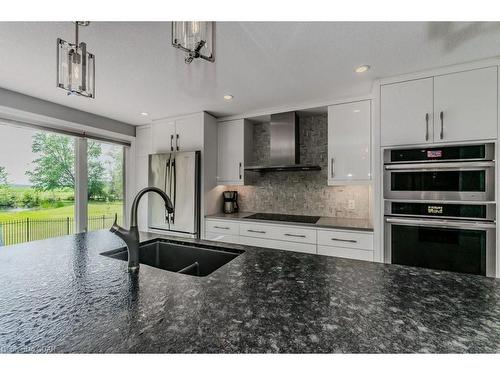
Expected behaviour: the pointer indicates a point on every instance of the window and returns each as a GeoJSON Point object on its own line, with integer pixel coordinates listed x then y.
{"type": "Point", "coordinates": [37, 185]}
{"type": "Point", "coordinates": [53, 184]}
{"type": "Point", "coordinates": [105, 184]}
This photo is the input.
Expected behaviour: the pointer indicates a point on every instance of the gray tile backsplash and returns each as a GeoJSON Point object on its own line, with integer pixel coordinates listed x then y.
{"type": "Point", "coordinates": [303, 193]}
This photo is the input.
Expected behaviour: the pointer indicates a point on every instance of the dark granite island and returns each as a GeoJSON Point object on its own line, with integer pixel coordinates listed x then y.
{"type": "Point", "coordinates": [61, 295]}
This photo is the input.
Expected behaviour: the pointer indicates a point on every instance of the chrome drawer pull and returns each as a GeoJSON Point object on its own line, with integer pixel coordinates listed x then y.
{"type": "Point", "coordinates": [295, 235]}
{"type": "Point", "coordinates": [215, 226]}
{"type": "Point", "coordinates": [342, 240]}
{"type": "Point", "coordinates": [255, 231]}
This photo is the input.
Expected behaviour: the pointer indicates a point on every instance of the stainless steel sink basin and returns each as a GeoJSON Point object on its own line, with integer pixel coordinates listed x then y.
{"type": "Point", "coordinates": [188, 259]}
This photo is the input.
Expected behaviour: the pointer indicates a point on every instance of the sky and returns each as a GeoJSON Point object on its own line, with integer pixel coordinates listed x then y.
{"type": "Point", "coordinates": [15, 152]}
{"type": "Point", "coordinates": [16, 155]}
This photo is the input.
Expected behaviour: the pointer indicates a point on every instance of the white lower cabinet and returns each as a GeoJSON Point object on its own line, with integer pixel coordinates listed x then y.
{"type": "Point", "coordinates": [344, 252]}
{"type": "Point", "coordinates": [345, 238]}
{"type": "Point", "coordinates": [280, 245]}
{"type": "Point", "coordinates": [222, 227]}
{"type": "Point", "coordinates": [220, 237]}
{"type": "Point", "coordinates": [338, 243]}
{"type": "Point", "coordinates": [346, 244]}
{"type": "Point", "coordinates": [279, 232]}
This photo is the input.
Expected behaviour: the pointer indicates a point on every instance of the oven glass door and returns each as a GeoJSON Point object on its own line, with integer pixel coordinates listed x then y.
{"type": "Point", "coordinates": [460, 181]}
{"type": "Point", "coordinates": [463, 248]}
{"type": "Point", "coordinates": [470, 183]}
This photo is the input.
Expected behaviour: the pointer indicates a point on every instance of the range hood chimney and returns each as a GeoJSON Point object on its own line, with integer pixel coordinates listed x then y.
{"type": "Point", "coordinates": [285, 147]}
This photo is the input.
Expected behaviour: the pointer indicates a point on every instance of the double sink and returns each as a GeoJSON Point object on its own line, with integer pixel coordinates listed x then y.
{"type": "Point", "coordinates": [187, 259]}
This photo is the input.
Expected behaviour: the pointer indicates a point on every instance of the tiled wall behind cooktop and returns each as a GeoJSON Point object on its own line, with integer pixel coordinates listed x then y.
{"type": "Point", "coordinates": [304, 193]}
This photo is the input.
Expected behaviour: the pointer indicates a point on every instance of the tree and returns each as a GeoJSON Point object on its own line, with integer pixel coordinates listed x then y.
{"type": "Point", "coordinates": [116, 174]}
{"type": "Point", "coordinates": [55, 166]}
{"type": "Point", "coordinates": [7, 197]}
{"type": "Point", "coordinates": [3, 176]}
{"type": "Point", "coordinates": [96, 181]}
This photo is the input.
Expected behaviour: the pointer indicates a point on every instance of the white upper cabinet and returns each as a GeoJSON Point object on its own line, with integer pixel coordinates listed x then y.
{"type": "Point", "coordinates": [189, 133]}
{"type": "Point", "coordinates": [163, 136]}
{"type": "Point", "coordinates": [349, 143]}
{"type": "Point", "coordinates": [143, 140]}
{"type": "Point", "coordinates": [406, 110]}
{"type": "Point", "coordinates": [465, 105]}
{"type": "Point", "coordinates": [179, 134]}
{"type": "Point", "coordinates": [453, 107]}
{"type": "Point", "coordinates": [233, 142]}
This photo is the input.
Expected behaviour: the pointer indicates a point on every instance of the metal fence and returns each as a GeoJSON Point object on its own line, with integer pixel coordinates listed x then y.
{"type": "Point", "coordinates": [25, 230]}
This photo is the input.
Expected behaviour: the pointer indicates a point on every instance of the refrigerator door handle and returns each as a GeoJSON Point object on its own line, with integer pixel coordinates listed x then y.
{"type": "Point", "coordinates": [167, 182]}
{"type": "Point", "coordinates": [174, 181]}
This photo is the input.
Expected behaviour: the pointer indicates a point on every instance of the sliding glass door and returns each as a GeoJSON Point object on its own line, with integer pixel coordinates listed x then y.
{"type": "Point", "coordinates": [37, 185]}
{"type": "Point", "coordinates": [54, 184]}
{"type": "Point", "coordinates": [105, 184]}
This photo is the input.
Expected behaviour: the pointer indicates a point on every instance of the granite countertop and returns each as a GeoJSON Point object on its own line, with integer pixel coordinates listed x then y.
{"type": "Point", "coordinates": [61, 295]}
{"type": "Point", "coordinates": [323, 222]}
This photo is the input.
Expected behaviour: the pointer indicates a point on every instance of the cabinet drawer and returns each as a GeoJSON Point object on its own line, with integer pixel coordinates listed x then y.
{"type": "Point", "coordinates": [222, 226]}
{"type": "Point", "coordinates": [219, 237]}
{"type": "Point", "coordinates": [280, 245]}
{"type": "Point", "coordinates": [281, 233]}
{"type": "Point", "coordinates": [344, 252]}
{"type": "Point", "coordinates": [353, 240]}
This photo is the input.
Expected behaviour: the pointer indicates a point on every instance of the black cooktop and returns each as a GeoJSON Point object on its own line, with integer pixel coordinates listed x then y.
{"type": "Point", "coordinates": [283, 217]}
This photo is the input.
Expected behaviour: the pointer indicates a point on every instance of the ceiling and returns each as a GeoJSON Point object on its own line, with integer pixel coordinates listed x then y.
{"type": "Point", "coordinates": [263, 64]}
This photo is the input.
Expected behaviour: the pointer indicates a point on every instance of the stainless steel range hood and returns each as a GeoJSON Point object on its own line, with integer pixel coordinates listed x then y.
{"type": "Point", "coordinates": [285, 147]}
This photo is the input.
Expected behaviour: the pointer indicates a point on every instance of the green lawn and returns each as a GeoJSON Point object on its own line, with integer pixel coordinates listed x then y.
{"type": "Point", "coordinates": [95, 209]}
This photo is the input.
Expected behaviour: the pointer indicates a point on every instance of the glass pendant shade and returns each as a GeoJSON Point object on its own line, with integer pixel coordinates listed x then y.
{"type": "Point", "coordinates": [75, 69]}
{"type": "Point", "coordinates": [194, 37]}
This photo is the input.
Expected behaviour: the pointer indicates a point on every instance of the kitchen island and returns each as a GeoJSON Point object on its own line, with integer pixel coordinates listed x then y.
{"type": "Point", "coordinates": [61, 295]}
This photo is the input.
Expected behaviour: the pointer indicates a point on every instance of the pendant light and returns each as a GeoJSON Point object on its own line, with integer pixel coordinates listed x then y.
{"type": "Point", "coordinates": [196, 38]}
{"type": "Point", "coordinates": [76, 66]}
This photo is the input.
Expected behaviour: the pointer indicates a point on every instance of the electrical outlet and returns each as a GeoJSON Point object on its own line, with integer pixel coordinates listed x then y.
{"type": "Point", "coordinates": [351, 204]}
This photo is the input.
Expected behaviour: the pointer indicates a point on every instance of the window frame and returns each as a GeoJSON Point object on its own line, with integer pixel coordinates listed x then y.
{"type": "Point", "coordinates": [81, 138]}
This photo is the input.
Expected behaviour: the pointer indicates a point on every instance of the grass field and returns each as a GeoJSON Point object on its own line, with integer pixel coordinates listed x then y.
{"type": "Point", "coordinates": [94, 209]}
{"type": "Point", "coordinates": [52, 214]}
{"type": "Point", "coordinates": [37, 224]}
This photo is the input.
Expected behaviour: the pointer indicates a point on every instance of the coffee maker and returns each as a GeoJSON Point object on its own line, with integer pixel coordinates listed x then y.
{"type": "Point", "coordinates": [230, 202]}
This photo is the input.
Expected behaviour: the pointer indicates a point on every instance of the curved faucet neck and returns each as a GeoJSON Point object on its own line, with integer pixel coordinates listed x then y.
{"type": "Point", "coordinates": [135, 204]}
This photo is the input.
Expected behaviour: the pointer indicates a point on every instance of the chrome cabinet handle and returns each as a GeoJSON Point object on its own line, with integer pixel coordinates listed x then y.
{"type": "Point", "coordinates": [295, 235]}
{"type": "Point", "coordinates": [239, 170]}
{"type": "Point", "coordinates": [426, 126]}
{"type": "Point", "coordinates": [177, 142]}
{"type": "Point", "coordinates": [342, 240]}
{"type": "Point", "coordinates": [332, 167]}
{"type": "Point", "coordinates": [255, 231]}
{"type": "Point", "coordinates": [171, 142]}
{"type": "Point", "coordinates": [227, 228]}
{"type": "Point", "coordinates": [441, 116]}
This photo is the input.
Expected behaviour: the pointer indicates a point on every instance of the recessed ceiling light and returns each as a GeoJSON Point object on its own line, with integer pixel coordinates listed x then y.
{"type": "Point", "coordinates": [228, 97]}
{"type": "Point", "coordinates": [144, 113]}
{"type": "Point", "coordinates": [362, 68]}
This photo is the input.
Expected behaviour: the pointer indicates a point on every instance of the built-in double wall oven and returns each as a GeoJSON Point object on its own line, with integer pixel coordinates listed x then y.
{"type": "Point", "coordinates": [439, 208]}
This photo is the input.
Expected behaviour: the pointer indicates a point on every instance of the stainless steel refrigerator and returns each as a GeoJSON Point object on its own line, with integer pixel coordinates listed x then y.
{"type": "Point", "coordinates": [178, 174]}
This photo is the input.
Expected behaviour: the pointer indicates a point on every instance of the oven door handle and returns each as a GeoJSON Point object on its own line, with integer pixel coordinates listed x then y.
{"type": "Point", "coordinates": [442, 223]}
{"type": "Point", "coordinates": [438, 166]}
